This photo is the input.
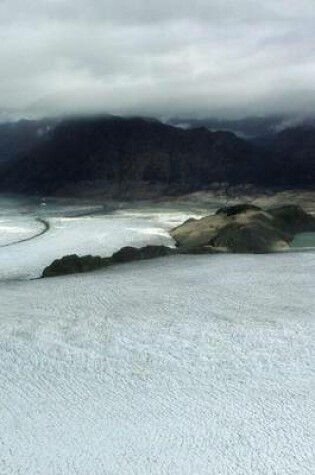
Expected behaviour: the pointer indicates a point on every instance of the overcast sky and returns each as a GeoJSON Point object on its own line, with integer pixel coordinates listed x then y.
{"type": "Point", "coordinates": [157, 57]}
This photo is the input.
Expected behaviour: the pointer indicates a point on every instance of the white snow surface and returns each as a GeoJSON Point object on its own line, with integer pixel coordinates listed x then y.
{"type": "Point", "coordinates": [186, 365]}
{"type": "Point", "coordinates": [15, 229]}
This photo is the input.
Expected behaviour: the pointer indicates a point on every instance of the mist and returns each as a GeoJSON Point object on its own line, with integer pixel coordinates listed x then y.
{"type": "Point", "coordinates": [196, 59]}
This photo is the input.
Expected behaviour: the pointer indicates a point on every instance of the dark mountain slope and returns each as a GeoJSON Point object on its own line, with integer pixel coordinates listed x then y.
{"type": "Point", "coordinates": [17, 138]}
{"type": "Point", "coordinates": [294, 156]}
{"type": "Point", "coordinates": [136, 150]}
{"type": "Point", "coordinates": [120, 151]}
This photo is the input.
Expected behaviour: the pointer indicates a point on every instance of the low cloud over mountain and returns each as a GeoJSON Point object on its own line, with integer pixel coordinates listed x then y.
{"type": "Point", "coordinates": [199, 58]}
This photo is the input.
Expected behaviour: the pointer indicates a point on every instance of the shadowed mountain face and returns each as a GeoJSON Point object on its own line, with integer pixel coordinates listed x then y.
{"type": "Point", "coordinates": [17, 138]}
{"type": "Point", "coordinates": [294, 153]}
{"type": "Point", "coordinates": [120, 150]}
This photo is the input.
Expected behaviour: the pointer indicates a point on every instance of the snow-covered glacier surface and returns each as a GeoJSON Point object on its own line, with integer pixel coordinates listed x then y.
{"type": "Point", "coordinates": [185, 365]}
{"type": "Point", "coordinates": [33, 236]}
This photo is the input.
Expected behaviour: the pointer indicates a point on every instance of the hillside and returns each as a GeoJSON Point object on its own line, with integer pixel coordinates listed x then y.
{"type": "Point", "coordinates": [17, 138]}
{"type": "Point", "coordinates": [119, 151]}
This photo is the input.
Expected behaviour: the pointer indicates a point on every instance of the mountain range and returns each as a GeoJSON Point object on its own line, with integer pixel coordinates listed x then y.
{"type": "Point", "coordinates": [47, 157]}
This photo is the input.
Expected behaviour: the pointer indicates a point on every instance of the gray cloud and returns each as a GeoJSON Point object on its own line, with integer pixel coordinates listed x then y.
{"type": "Point", "coordinates": [178, 57]}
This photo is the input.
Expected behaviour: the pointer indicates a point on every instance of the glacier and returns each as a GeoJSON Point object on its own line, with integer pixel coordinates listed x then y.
{"type": "Point", "coordinates": [181, 365]}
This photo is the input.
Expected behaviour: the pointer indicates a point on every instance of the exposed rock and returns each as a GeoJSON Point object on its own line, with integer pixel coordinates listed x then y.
{"type": "Point", "coordinates": [237, 209]}
{"type": "Point", "coordinates": [256, 238]}
{"type": "Point", "coordinates": [293, 219]}
{"type": "Point", "coordinates": [193, 234]}
{"type": "Point", "coordinates": [73, 264]}
{"type": "Point", "coordinates": [128, 254]}
{"type": "Point", "coordinates": [190, 220]}
{"type": "Point", "coordinates": [243, 228]}
{"type": "Point", "coordinates": [200, 232]}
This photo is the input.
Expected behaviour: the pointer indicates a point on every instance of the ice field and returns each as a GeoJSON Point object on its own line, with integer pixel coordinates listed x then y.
{"type": "Point", "coordinates": [187, 365]}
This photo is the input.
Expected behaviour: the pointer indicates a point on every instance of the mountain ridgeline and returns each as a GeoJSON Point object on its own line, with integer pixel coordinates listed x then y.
{"type": "Point", "coordinates": [118, 151]}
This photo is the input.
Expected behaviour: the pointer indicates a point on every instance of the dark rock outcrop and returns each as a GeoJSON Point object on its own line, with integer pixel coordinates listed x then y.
{"type": "Point", "coordinates": [292, 219]}
{"type": "Point", "coordinates": [244, 229]}
{"type": "Point", "coordinates": [129, 254]}
{"type": "Point", "coordinates": [237, 209]}
{"type": "Point", "coordinates": [255, 237]}
{"type": "Point", "coordinates": [74, 264]}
